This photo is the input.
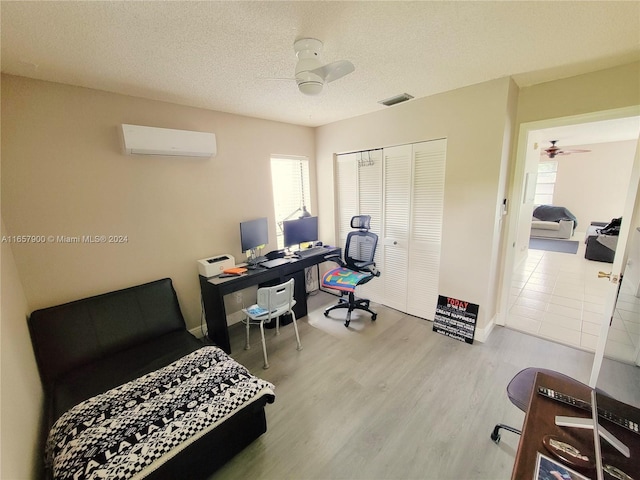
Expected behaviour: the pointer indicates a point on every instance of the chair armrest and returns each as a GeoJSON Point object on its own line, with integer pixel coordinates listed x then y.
{"type": "Point", "coordinates": [369, 267]}
{"type": "Point", "coordinates": [335, 258]}
{"type": "Point", "coordinates": [363, 264]}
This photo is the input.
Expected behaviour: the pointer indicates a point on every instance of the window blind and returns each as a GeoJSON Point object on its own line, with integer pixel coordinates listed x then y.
{"type": "Point", "coordinates": [291, 191]}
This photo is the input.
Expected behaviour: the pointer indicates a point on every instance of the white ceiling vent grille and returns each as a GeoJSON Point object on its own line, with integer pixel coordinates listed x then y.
{"type": "Point", "coordinates": [403, 97]}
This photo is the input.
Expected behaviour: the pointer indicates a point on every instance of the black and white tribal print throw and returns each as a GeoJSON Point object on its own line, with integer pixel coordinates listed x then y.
{"type": "Point", "coordinates": [130, 430]}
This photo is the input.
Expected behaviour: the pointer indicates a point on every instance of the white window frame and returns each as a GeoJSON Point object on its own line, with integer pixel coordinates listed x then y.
{"type": "Point", "coordinates": [291, 189]}
{"type": "Point", "coordinates": [546, 181]}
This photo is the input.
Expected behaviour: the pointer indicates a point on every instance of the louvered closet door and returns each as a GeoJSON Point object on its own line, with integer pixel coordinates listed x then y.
{"type": "Point", "coordinates": [370, 203]}
{"type": "Point", "coordinates": [396, 218]}
{"type": "Point", "coordinates": [426, 227]}
{"type": "Point", "coordinates": [347, 188]}
{"type": "Point", "coordinates": [359, 187]}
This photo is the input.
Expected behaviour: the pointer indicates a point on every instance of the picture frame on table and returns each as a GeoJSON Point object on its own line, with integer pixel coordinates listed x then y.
{"type": "Point", "coordinates": [549, 469]}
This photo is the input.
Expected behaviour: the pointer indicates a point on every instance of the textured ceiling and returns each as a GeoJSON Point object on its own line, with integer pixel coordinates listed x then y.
{"type": "Point", "coordinates": [224, 55]}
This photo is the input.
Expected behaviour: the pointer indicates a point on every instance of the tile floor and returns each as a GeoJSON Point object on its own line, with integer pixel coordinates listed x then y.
{"type": "Point", "coordinates": [558, 296]}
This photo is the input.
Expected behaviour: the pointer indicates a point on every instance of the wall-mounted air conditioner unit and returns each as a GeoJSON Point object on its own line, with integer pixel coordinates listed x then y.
{"type": "Point", "coordinates": [139, 140]}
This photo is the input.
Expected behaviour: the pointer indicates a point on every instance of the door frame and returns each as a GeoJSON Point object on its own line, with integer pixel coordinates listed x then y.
{"type": "Point", "coordinates": [516, 193]}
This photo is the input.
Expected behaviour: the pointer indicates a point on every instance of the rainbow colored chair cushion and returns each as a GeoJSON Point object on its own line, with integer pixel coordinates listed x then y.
{"type": "Point", "coordinates": [343, 279]}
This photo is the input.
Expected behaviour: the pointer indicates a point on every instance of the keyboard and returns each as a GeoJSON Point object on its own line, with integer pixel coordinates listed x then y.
{"type": "Point", "coordinates": [275, 262]}
{"type": "Point", "coordinates": [581, 404]}
{"type": "Point", "coordinates": [310, 252]}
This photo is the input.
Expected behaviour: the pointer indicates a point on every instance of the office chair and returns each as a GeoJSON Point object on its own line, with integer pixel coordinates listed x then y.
{"type": "Point", "coordinates": [519, 393]}
{"type": "Point", "coordinates": [272, 302]}
{"type": "Point", "coordinates": [357, 268]}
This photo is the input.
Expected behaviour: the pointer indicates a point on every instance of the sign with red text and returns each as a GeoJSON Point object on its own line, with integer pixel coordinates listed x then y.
{"type": "Point", "coordinates": [455, 318]}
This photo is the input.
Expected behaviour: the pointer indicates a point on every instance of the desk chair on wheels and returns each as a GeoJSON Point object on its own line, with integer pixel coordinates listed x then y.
{"type": "Point", "coordinates": [357, 268]}
{"type": "Point", "coordinates": [272, 302]}
{"type": "Point", "coordinates": [520, 390]}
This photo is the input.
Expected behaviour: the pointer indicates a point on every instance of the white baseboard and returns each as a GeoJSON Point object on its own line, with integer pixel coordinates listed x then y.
{"type": "Point", "coordinates": [197, 331]}
{"type": "Point", "coordinates": [482, 334]}
{"type": "Point", "coordinates": [232, 319]}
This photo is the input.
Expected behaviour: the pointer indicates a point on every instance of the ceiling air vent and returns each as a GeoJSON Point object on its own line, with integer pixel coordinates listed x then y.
{"type": "Point", "coordinates": [403, 97]}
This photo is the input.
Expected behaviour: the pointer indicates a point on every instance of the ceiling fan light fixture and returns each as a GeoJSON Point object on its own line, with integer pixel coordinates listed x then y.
{"type": "Point", "coordinates": [310, 87]}
{"type": "Point", "coordinates": [311, 74]}
{"type": "Point", "coordinates": [309, 83]}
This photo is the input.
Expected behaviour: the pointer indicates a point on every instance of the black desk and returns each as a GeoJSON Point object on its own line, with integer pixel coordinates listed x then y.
{"type": "Point", "coordinates": [214, 289]}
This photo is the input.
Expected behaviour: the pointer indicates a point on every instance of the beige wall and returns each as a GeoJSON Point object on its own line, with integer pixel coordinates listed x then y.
{"type": "Point", "coordinates": [593, 92]}
{"type": "Point", "coordinates": [593, 185]}
{"type": "Point", "coordinates": [63, 173]}
{"type": "Point", "coordinates": [22, 397]}
{"type": "Point", "coordinates": [474, 121]}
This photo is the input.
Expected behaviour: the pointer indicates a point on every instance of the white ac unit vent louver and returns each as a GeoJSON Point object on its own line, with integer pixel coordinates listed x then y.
{"type": "Point", "coordinates": [140, 140]}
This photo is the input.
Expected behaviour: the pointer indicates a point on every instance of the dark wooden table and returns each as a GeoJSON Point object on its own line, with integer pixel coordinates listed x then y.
{"type": "Point", "coordinates": [540, 422]}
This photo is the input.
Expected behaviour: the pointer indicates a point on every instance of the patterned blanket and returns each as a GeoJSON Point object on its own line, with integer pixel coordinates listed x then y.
{"type": "Point", "coordinates": [130, 430]}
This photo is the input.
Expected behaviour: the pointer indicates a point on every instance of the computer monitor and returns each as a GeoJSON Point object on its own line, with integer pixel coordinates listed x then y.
{"type": "Point", "coordinates": [300, 231]}
{"type": "Point", "coordinates": [253, 234]}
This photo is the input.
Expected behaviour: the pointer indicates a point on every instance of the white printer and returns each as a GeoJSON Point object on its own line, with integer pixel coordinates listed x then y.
{"type": "Point", "coordinates": [210, 267]}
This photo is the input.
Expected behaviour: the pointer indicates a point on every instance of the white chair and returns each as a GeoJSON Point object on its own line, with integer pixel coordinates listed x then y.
{"type": "Point", "coordinates": [272, 302]}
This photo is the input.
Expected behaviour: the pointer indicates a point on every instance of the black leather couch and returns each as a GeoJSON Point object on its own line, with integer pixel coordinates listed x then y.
{"type": "Point", "coordinates": [89, 346]}
{"type": "Point", "coordinates": [601, 248]}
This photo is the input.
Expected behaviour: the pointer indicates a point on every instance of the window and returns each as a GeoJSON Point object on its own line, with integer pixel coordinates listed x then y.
{"type": "Point", "coordinates": [291, 192]}
{"type": "Point", "coordinates": [545, 185]}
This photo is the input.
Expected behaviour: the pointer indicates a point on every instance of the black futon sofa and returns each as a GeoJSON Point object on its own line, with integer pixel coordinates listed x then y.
{"type": "Point", "coordinates": [111, 366]}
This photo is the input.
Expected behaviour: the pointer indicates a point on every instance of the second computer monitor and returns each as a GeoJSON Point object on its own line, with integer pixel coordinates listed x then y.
{"type": "Point", "coordinates": [300, 231]}
{"type": "Point", "coordinates": [254, 233]}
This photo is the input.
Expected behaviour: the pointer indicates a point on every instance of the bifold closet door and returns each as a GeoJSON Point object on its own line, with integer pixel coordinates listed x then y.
{"type": "Point", "coordinates": [396, 218]}
{"type": "Point", "coordinates": [402, 188]}
{"type": "Point", "coordinates": [370, 203]}
{"type": "Point", "coordinates": [412, 219]}
{"type": "Point", "coordinates": [346, 168]}
{"type": "Point", "coordinates": [425, 233]}
{"type": "Point", "coordinates": [359, 187]}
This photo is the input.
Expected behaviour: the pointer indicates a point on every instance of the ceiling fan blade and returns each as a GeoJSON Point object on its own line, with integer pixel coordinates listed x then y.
{"type": "Point", "coordinates": [334, 70]}
{"type": "Point", "coordinates": [280, 79]}
{"type": "Point", "coordinates": [575, 150]}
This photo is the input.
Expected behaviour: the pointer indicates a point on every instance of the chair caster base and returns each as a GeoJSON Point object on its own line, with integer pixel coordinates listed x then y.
{"type": "Point", "coordinates": [495, 435]}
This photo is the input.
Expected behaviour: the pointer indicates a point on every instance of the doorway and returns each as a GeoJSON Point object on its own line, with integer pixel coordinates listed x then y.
{"type": "Point", "coordinates": [554, 295]}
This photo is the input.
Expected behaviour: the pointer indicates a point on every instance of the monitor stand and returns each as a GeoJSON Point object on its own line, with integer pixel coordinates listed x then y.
{"type": "Point", "coordinates": [575, 422]}
{"type": "Point", "coordinates": [598, 431]}
{"type": "Point", "coordinates": [254, 260]}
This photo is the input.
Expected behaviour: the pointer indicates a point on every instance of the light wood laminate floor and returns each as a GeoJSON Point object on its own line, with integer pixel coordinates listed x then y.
{"type": "Point", "coordinates": [391, 399]}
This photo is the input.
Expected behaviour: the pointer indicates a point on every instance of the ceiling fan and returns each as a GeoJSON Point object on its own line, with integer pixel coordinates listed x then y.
{"type": "Point", "coordinates": [553, 151]}
{"type": "Point", "coordinates": [311, 75]}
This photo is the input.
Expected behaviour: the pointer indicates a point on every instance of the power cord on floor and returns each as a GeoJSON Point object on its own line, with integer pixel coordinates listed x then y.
{"type": "Point", "coordinates": [202, 318]}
